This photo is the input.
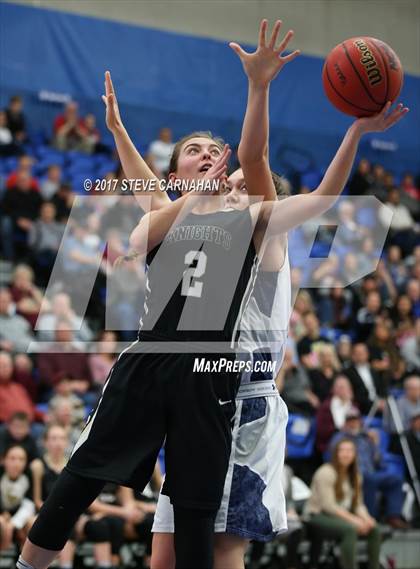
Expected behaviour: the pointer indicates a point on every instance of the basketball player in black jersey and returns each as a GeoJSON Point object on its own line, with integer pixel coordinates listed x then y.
{"type": "Point", "coordinates": [141, 402]}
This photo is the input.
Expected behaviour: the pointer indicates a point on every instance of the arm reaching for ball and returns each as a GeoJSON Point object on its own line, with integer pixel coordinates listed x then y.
{"type": "Point", "coordinates": [285, 215]}
{"type": "Point", "coordinates": [133, 164]}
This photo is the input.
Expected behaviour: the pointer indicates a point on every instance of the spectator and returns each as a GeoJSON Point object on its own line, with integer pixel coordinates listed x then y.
{"type": "Point", "coordinates": [160, 152]}
{"type": "Point", "coordinates": [350, 233]}
{"type": "Point", "coordinates": [361, 180]}
{"type": "Point", "coordinates": [376, 479]}
{"type": "Point", "coordinates": [25, 165]}
{"type": "Point", "coordinates": [93, 136]}
{"type": "Point", "coordinates": [410, 350]}
{"type": "Point", "coordinates": [293, 385]}
{"type": "Point", "coordinates": [70, 359]}
{"type": "Point", "coordinates": [17, 431]}
{"type": "Point", "coordinates": [126, 291]}
{"type": "Point", "coordinates": [337, 308]}
{"type": "Point", "coordinates": [409, 187]}
{"type": "Point", "coordinates": [402, 224]}
{"type": "Point", "coordinates": [396, 267]}
{"type": "Point", "coordinates": [26, 296]}
{"type": "Point", "coordinates": [20, 206]}
{"type": "Point", "coordinates": [15, 331]}
{"type": "Point", "coordinates": [45, 471]}
{"type": "Point", "coordinates": [13, 397]}
{"type": "Point", "coordinates": [413, 292]}
{"type": "Point", "coordinates": [322, 377]}
{"type": "Point", "coordinates": [23, 374]}
{"type": "Point", "coordinates": [403, 319]}
{"type": "Point", "coordinates": [44, 240]}
{"type": "Point", "coordinates": [385, 357]}
{"type": "Point", "coordinates": [310, 340]}
{"type": "Point", "coordinates": [16, 121]}
{"type": "Point", "coordinates": [61, 309]}
{"type": "Point", "coordinates": [413, 440]}
{"type": "Point", "coordinates": [51, 184]}
{"type": "Point", "coordinates": [70, 131]}
{"type": "Point", "coordinates": [379, 182]}
{"type": "Point", "coordinates": [101, 362]}
{"type": "Point", "coordinates": [366, 382]}
{"type": "Point", "coordinates": [367, 315]}
{"type": "Point", "coordinates": [331, 414]}
{"type": "Point", "coordinates": [16, 506]}
{"type": "Point", "coordinates": [336, 509]}
{"type": "Point", "coordinates": [63, 391]}
{"type": "Point", "coordinates": [408, 404]}
{"type": "Point", "coordinates": [62, 415]}
{"type": "Point", "coordinates": [344, 351]}
{"type": "Point", "coordinates": [123, 216]}
{"type": "Point", "coordinates": [63, 200]}
{"type": "Point", "coordinates": [7, 146]}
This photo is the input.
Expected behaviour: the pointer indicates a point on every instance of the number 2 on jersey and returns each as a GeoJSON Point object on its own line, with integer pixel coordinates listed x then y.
{"type": "Point", "coordinates": [195, 288]}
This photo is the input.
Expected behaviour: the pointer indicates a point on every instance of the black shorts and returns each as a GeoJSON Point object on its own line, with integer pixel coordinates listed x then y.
{"type": "Point", "coordinates": [155, 399]}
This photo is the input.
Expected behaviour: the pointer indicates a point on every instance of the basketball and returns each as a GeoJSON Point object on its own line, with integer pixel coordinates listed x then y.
{"type": "Point", "coordinates": [360, 75]}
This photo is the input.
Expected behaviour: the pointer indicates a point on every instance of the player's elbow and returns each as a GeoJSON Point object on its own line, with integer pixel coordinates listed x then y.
{"type": "Point", "coordinates": [251, 155]}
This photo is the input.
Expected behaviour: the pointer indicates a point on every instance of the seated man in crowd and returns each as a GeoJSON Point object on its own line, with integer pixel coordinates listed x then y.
{"type": "Point", "coordinates": [376, 479]}
{"type": "Point", "coordinates": [367, 385]}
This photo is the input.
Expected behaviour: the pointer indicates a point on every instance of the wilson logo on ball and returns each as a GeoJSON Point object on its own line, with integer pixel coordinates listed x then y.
{"type": "Point", "coordinates": [369, 62]}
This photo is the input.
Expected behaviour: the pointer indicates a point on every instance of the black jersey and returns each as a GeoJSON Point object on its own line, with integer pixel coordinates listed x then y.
{"type": "Point", "coordinates": [199, 278]}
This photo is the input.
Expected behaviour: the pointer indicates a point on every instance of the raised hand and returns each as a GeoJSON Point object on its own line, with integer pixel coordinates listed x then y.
{"type": "Point", "coordinates": [112, 117]}
{"type": "Point", "coordinates": [383, 120]}
{"type": "Point", "coordinates": [219, 169]}
{"type": "Point", "coordinates": [264, 64]}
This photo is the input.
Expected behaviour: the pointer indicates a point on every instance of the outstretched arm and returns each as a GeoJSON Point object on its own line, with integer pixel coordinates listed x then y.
{"type": "Point", "coordinates": [261, 67]}
{"type": "Point", "coordinates": [295, 210]}
{"type": "Point", "coordinates": [132, 163]}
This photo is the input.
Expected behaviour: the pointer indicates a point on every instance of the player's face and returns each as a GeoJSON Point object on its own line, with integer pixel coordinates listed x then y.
{"type": "Point", "coordinates": [236, 194]}
{"type": "Point", "coordinates": [197, 155]}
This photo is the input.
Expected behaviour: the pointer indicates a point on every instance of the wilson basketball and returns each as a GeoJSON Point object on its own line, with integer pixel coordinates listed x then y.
{"type": "Point", "coordinates": [361, 74]}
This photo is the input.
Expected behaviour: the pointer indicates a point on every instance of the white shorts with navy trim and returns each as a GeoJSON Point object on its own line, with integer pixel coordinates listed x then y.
{"type": "Point", "coordinates": [253, 503]}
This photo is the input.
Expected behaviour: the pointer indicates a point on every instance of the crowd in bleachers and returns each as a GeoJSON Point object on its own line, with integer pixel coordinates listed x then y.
{"type": "Point", "coordinates": [349, 348]}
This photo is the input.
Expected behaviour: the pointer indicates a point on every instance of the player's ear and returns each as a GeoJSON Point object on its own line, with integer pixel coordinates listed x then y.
{"type": "Point", "coordinates": [172, 177]}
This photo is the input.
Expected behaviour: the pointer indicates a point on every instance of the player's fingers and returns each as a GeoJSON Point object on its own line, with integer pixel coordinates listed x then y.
{"type": "Point", "coordinates": [261, 37]}
{"type": "Point", "coordinates": [238, 50]}
{"type": "Point", "coordinates": [385, 109]}
{"type": "Point", "coordinates": [105, 100]}
{"type": "Point", "coordinates": [291, 56]}
{"type": "Point", "coordinates": [274, 34]}
{"type": "Point", "coordinates": [108, 83]}
{"type": "Point", "coordinates": [108, 79]}
{"type": "Point", "coordinates": [285, 41]}
{"type": "Point", "coordinates": [396, 116]}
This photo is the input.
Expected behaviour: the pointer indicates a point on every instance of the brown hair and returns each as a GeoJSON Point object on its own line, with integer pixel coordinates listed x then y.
{"type": "Point", "coordinates": [173, 164]}
{"type": "Point", "coordinates": [352, 474]}
{"type": "Point", "coordinates": [281, 187]}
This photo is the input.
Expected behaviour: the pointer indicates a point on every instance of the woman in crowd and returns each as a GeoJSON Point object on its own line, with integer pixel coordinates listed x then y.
{"type": "Point", "coordinates": [336, 509]}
